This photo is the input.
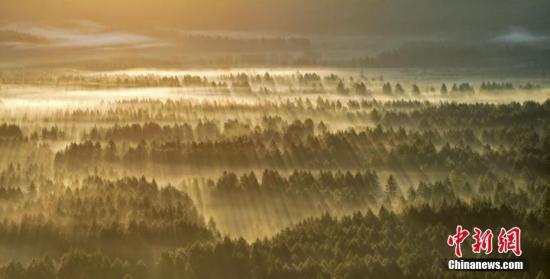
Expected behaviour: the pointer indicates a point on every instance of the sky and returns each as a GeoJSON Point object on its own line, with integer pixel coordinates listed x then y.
{"type": "Point", "coordinates": [461, 17]}
{"type": "Point", "coordinates": [41, 31]}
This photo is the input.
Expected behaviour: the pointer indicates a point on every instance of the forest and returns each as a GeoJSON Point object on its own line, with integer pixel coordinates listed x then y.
{"type": "Point", "coordinates": [274, 139]}
{"type": "Point", "coordinates": [267, 174]}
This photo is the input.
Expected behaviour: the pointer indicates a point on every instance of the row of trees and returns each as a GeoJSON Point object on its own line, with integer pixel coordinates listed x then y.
{"type": "Point", "coordinates": [129, 217]}
{"type": "Point", "coordinates": [10, 131]}
{"type": "Point", "coordinates": [474, 118]}
{"type": "Point", "coordinates": [297, 83]}
{"type": "Point", "coordinates": [410, 244]}
{"type": "Point", "coordinates": [299, 146]}
{"type": "Point", "coordinates": [354, 111]}
{"type": "Point", "coordinates": [136, 81]}
{"type": "Point", "coordinates": [275, 199]}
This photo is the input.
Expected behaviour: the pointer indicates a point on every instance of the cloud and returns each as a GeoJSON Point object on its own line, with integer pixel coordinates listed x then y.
{"type": "Point", "coordinates": [517, 36]}
{"type": "Point", "coordinates": [83, 35]}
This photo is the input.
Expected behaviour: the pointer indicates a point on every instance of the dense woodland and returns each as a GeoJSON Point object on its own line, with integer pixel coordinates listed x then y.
{"type": "Point", "coordinates": [270, 176]}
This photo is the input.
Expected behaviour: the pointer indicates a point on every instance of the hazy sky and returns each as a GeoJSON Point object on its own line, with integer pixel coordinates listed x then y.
{"type": "Point", "coordinates": [469, 17]}
{"type": "Point", "coordinates": [47, 31]}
